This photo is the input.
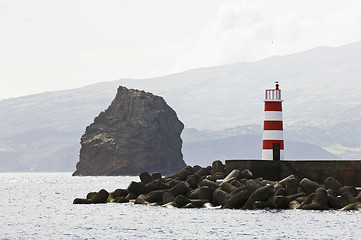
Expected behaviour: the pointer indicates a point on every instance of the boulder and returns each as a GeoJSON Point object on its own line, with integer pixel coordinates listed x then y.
{"type": "Point", "coordinates": [347, 198]}
{"type": "Point", "coordinates": [319, 202]}
{"type": "Point", "coordinates": [168, 197]}
{"type": "Point", "coordinates": [238, 200]}
{"type": "Point", "coordinates": [156, 175]}
{"type": "Point", "coordinates": [246, 174]}
{"type": "Point", "coordinates": [145, 177]}
{"type": "Point", "coordinates": [261, 194]}
{"type": "Point", "coordinates": [308, 186]}
{"type": "Point", "coordinates": [82, 201]}
{"type": "Point", "coordinates": [332, 183]}
{"type": "Point", "coordinates": [138, 132]}
{"type": "Point", "coordinates": [100, 197]}
{"type": "Point", "coordinates": [181, 201]}
{"type": "Point", "coordinates": [221, 196]}
{"type": "Point", "coordinates": [205, 193]}
{"type": "Point", "coordinates": [180, 189]}
{"type": "Point", "coordinates": [120, 193]}
{"type": "Point", "coordinates": [217, 167]}
{"type": "Point", "coordinates": [121, 200]}
{"type": "Point", "coordinates": [137, 188]}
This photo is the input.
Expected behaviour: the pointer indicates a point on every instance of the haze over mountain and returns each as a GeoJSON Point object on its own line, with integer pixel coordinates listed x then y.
{"type": "Point", "coordinates": [221, 107]}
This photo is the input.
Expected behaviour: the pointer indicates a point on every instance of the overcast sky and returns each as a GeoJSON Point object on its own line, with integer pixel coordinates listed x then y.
{"type": "Point", "coordinates": [48, 45]}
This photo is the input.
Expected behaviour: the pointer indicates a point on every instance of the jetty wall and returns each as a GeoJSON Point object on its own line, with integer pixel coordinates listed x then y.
{"type": "Point", "coordinates": [348, 172]}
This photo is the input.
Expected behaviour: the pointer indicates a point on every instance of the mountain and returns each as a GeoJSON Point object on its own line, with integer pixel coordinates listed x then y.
{"type": "Point", "coordinates": [320, 87]}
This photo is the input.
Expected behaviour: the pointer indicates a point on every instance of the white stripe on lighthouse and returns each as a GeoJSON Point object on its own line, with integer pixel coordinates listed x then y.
{"type": "Point", "coordinates": [273, 116]}
{"type": "Point", "coordinates": [272, 135]}
{"type": "Point", "coordinates": [267, 154]}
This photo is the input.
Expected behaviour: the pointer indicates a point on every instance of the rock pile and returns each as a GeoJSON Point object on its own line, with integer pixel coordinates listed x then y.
{"type": "Point", "coordinates": [196, 187]}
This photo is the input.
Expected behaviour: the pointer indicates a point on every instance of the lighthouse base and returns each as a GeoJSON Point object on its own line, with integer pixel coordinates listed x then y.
{"type": "Point", "coordinates": [267, 154]}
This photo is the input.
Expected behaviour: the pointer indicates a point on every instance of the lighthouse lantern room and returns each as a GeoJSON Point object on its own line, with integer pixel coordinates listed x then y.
{"type": "Point", "coordinates": [273, 144]}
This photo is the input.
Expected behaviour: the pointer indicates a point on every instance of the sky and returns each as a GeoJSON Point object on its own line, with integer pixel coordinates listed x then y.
{"type": "Point", "coordinates": [63, 44]}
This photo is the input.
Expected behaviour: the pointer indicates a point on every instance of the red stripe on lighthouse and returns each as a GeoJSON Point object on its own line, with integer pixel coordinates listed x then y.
{"type": "Point", "coordinates": [268, 144]}
{"type": "Point", "coordinates": [273, 106]}
{"type": "Point", "coordinates": [273, 125]}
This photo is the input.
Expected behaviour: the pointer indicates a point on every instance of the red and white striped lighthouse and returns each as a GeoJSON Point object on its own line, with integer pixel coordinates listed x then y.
{"type": "Point", "coordinates": [273, 124]}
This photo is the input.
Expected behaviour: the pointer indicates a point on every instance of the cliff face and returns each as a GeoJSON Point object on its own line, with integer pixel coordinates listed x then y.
{"type": "Point", "coordinates": [138, 132]}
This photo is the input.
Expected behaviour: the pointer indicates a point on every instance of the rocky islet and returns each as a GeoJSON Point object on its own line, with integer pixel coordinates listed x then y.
{"type": "Point", "coordinates": [138, 132]}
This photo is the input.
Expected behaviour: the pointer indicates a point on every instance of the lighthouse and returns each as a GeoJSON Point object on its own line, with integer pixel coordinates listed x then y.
{"type": "Point", "coordinates": [273, 144]}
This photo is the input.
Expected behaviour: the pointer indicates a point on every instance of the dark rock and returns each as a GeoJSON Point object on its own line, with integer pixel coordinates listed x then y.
{"type": "Point", "coordinates": [190, 205]}
{"type": "Point", "coordinates": [238, 200]}
{"type": "Point", "coordinates": [218, 175]}
{"type": "Point", "coordinates": [221, 196]}
{"type": "Point", "coordinates": [334, 202]}
{"type": "Point", "coordinates": [296, 196]}
{"type": "Point", "coordinates": [201, 172]}
{"type": "Point", "coordinates": [121, 200]}
{"type": "Point", "coordinates": [192, 181]}
{"type": "Point", "coordinates": [156, 175]}
{"type": "Point", "coordinates": [198, 203]}
{"type": "Point", "coordinates": [82, 201]}
{"type": "Point", "coordinates": [210, 184]}
{"type": "Point", "coordinates": [180, 189]}
{"type": "Point", "coordinates": [155, 196]}
{"type": "Point", "coordinates": [168, 197]}
{"type": "Point", "coordinates": [319, 202]}
{"type": "Point", "coordinates": [347, 198]}
{"type": "Point", "coordinates": [90, 195]}
{"type": "Point", "coordinates": [100, 197]}
{"type": "Point", "coordinates": [137, 188]}
{"type": "Point", "coordinates": [211, 178]}
{"type": "Point", "coordinates": [332, 192]}
{"type": "Point", "coordinates": [308, 186]}
{"type": "Point", "coordinates": [233, 175]}
{"type": "Point", "coordinates": [217, 166]}
{"type": "Point", "coordinates": [252, 185]}
{"type": "Point", "coordinates": [281, 192]}
{"type": "Point", "coordinates": [194, 194]}
{"type": "Point", "coordinates": [246, 174]}
{"type": "Point", "coordinates": [332, 183]}
{"type": "Point", "coordinates": [181, 201]}
{"type": "Point", "coordinates": [156, 185]}
{"type": "Point", "coordinates": [120, 193]}
{"type": "Point", "coordinates": [261, 194]}
{"type": "Point", "coordinates": [131, 196]}
{"type": "Point", "coordinates": [292, 186]}
{"type": "Point", "coordinates": [307, 200]}
{"type": "Point", "coordinates": [353, 206]}
{"type": "Point", "coordinates": [205, 193]}
{"type": "Point", "coordinates": [184, 173]}
{"type": "Point", "coordinates": [173, 183]}
{"type": "Point", "coordinates": [145, 178]}
{"type": "Point", "coordinates": [141, 200]}
{"type": "Point", "coordinates": [138, 132]}
{"type": "Point", "coordinates": [227, 187]}
{"type": "Point", "coordinates": [358, 197]}
{"type": "Point", "coordinates": [349, 189]}
{"type": "Point", "coordinates": [237, 183]}
{"type": "Point", "coordinates": [196, 168]}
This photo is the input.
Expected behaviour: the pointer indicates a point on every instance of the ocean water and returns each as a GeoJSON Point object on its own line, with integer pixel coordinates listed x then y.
{"type": "Point", "coordinates": [39, 206]}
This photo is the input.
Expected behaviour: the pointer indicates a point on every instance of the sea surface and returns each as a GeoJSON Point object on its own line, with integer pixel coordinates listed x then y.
{"type": "Point", "coordinates": [40, 206]}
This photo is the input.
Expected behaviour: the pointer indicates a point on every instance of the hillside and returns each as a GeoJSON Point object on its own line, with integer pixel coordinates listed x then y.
{"type": "Point", "coordinates": [320, 87]}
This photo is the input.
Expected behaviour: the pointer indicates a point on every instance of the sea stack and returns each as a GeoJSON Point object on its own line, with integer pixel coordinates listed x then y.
{"type": "Point", "coordinates": [138, 132]}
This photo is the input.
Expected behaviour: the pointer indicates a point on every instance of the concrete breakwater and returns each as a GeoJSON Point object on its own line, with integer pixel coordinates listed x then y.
{"type": "Point", "coordinates": [196, 187]}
